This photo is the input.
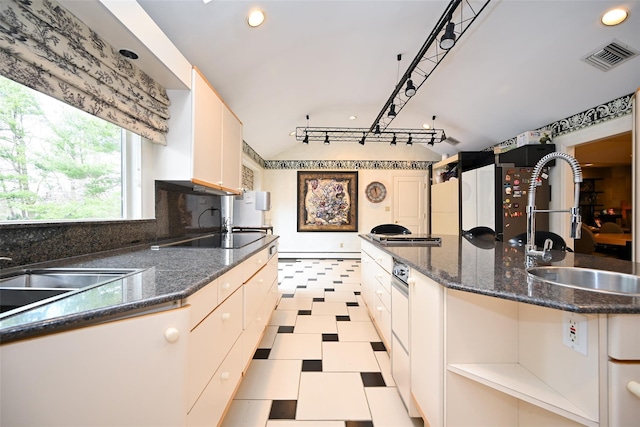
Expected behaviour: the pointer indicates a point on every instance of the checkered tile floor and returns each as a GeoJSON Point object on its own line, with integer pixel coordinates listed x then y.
{"type": "Point", "coordinates": [321, 362]}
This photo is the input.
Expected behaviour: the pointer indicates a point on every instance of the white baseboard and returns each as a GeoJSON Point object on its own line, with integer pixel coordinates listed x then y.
{"type": "Point", "coordinates": [319, 255]}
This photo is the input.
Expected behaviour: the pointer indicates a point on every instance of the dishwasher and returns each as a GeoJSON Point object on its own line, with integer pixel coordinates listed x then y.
{"type": "Point", "coordinates": [400, 366]}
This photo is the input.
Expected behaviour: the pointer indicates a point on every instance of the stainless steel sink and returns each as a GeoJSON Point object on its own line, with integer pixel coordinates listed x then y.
{"type": "Point", "coordinates": [603, 281]}
{"type": "Point", "coordinates": [28, 286]}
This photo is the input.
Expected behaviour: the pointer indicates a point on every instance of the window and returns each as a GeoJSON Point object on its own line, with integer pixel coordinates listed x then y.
{"type": "Point", "coordinates": [60, 163]}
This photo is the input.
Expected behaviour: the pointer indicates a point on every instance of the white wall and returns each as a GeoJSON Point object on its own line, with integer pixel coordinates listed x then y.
{"type": "Point", "coordinates": [282, 183]}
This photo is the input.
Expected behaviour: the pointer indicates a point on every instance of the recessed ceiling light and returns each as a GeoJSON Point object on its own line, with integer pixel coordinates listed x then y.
{"type": "Point", "coordinates": [353, 117]}
{"type": "Point", "coordinates": [588, 164]}
{"type": "Point", "coordinates": [614, 17]}
{"type": "Point", "coordinates": [128, 53]}
{"type": "Point", "coordinates": [426, 126]}
{"type": "Point", "coordinates": [256, 18]}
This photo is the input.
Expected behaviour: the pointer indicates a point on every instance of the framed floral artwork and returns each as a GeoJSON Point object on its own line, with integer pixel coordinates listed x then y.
{"type": "Point", "coordinates": [327, 201]}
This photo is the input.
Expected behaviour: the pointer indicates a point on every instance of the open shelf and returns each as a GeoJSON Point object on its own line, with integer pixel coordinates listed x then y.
{"type": "Point", "coordinates": [514, 380]}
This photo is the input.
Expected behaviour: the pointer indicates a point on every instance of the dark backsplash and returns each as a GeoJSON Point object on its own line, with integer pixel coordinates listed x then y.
{"type": "Point", "coordinates": [179, 211]}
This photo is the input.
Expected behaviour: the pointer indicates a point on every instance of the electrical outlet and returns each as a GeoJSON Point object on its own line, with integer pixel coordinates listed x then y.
{"type": "Point", "coordinates": [341, 244]}
{"type": "Point", "coordinates": [574, 332]}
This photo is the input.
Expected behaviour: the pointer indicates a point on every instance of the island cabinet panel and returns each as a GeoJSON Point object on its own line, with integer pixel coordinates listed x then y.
{"type": "Point", "coordinates": [426, 348]}
{"type": "Point", "coordinates": [507, 364]}
{"type": "Point", "coordinates": [123, 373]}
{"type": "Point", "coordinates": [624, 369]}
{"type": "Point", "coordinates": [377, 285]}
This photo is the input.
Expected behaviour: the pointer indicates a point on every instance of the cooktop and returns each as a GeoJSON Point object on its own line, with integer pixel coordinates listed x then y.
{"type": "Point", "coordinates": [217, 240]}
{"type": "Point", "coordinates": [407, 239]}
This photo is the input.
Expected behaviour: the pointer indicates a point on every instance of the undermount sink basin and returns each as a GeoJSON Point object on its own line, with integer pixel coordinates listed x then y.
{"type": "Point", "coordinates": [602, 281]}
{"type": "Point", "coordinates": [24, 287]}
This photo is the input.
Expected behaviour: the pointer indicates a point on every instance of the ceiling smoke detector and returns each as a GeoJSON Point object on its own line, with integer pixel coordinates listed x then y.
{"type": "Point", "coordinates": [610, 55]}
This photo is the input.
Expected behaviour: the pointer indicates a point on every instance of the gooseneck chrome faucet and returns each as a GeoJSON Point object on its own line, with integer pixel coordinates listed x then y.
{"type": "Point", "coordinates": [532, 251]}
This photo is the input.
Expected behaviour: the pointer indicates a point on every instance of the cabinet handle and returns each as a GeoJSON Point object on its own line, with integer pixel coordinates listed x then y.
{"type": "Point", "coordinates": [411, 281]}
{"type": "Point", "coordinates": [224, 376]}
{"type": "Point", "coordinates": [380, 309]}
{"type": "Point", "coordinates": [259, 261]}
{"type": "Point", "coordinates": [379, 259]}
{"type": "Point", "coordinates": [226, 316]}
{"type": "Point", "coordinates": [260, 281]}
{"type": "Point", "coordinates": [172, 335]}
{"type": "Point", "coordinates": [634, 388]}
{"type": "Point", "coordinates": [226, 286]}
{"type": "Point", "coordinates": [378, 292]}
{"type": "Point", "coordinates": [379, 276]}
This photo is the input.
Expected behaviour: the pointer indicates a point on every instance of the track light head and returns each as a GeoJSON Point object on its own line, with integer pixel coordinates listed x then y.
{"type": "Point", "coordinates": [449, 38]}
{"type": "Point", "coordinates": [411, 89]}
{"type": "Point", "coordinates": [410, 140]}
{"type": "Point", "coordinates": [393, 141]}
{"type": "Point", "coordinates": [326, 138]}
{"type": "Point", "coordinates": [377, 130]}
{"type": "Point", "coordinates": [361, 142]}
{"type": "Point", "coordinates": [433, 139]}
{"type": "Point", "coordinates": [392, 110]}
{"type": "Point", "coordinates": [306, 139]}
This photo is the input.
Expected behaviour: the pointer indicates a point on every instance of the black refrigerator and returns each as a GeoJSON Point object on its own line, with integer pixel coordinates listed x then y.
{"type": "Point", "coordinates": [513, 177]}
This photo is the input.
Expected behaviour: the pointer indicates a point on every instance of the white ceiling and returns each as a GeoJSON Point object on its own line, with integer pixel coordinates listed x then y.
{"type": "Point", "coordinates": [518, 67]}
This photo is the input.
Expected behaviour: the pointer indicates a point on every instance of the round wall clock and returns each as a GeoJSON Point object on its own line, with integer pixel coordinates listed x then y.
{"type": "Point", "coordinates": [376, 192]}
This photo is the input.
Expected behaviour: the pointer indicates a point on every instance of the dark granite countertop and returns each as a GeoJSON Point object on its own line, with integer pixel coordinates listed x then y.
{"type": "Point", "coordinates": [168, 276]}
{"type": "Point", "coordinates": [500, 272]}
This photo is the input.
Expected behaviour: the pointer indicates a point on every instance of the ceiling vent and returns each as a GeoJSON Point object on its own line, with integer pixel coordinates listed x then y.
{"type": "Point", "coordinates": [452, 141]}
{"type": "Point", "coordinates": [610, 55]}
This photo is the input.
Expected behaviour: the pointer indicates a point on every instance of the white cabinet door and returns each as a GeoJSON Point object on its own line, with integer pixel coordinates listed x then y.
{"type": "Point", "coordinates": [123, 373]}
{"type": "Point", "coordinates": [207, 132]}
{"type": "Point", "coordinates": [408, 202]}
{"type": "Point", "coordinates": [426, 346]}
{"type": "Point", "coordinates": [231, 150]}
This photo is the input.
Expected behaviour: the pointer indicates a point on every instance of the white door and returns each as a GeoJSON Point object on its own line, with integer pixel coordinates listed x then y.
{"type": "Point", "coordinates": [408, 202]}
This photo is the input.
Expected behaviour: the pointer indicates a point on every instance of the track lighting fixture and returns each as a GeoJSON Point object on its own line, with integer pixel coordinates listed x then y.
{"type": "Point", "coordinates": [326, 138]}
{"type": "Point", "coordinates": [458, 16]}
{"type": "Point", "coordinates": [392, 110]}
{"type": "Point", "coordinates": [393, 141]}
{"type": "Point", "coordinates": [449, 38]}
{"type": "Point", "coordinates": [306, 138]}
{"type": "Point", "coordinates": [432, 140]}
{"type": "Point", "coordinates": [411, 89]}
{"type": "Point", "coordinates": [377, 131]}
{"type": "Point", "coordinates": [361, 142]}
{"type": "Point", "coordinates": [410, 140]}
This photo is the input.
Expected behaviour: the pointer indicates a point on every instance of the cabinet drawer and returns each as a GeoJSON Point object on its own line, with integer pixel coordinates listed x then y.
{"type": "Point", "coordinates": [210, 342]}
{"type": "Point", "coordinates": [624, 406]}
{"type": "Point", "coordinates": [218, 392]}
{"type": "Point", "coordinates": [252, 334]}
{"type": "Point", "coordinates": [382, 296]}
{"type": "Point", "coordinates": [229, 282]}
{"type": "Point", "coordinates": [382, 258]}
{"type": "Point", "coordinates": [383, 278]}
{"type": "Point", "coordinates": [256, 290]}
{"type": "Point", "coordinates": [253, 264]}
{"type": "Point", "coordinates": [624, 339]}
{"type": "Point", "coordinates": [382, 317]}
{"type": "Point", "coordinates": [203, 302]}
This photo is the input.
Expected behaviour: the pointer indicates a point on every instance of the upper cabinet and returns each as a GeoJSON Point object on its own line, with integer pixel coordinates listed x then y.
{"type": "Point", "coordinates": [204, 143]}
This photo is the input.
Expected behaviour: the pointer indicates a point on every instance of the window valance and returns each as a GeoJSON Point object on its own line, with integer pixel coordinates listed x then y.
{"type": "Point", "coordinates": [44, 47]}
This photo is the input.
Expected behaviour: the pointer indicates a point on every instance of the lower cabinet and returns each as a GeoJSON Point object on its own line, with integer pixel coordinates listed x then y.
{"type": "Point", "coordinates": [124, 373]}
{"type": "Point", "coordinates": [376, 288]}
{"type": "Point", "coordinates": [426, 348]}
{"type": "Point", "coordinates": [179, 367]}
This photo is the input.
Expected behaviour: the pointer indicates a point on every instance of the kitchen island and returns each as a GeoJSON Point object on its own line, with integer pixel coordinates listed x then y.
{"type": "Point", "coordinates": [164, 346]}
{"type": "Point", "coordinates": [488, 345]}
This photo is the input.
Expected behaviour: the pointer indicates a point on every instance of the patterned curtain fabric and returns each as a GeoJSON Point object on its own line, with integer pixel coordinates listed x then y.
{"type": "Point", "coordinates": [48, 49]}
